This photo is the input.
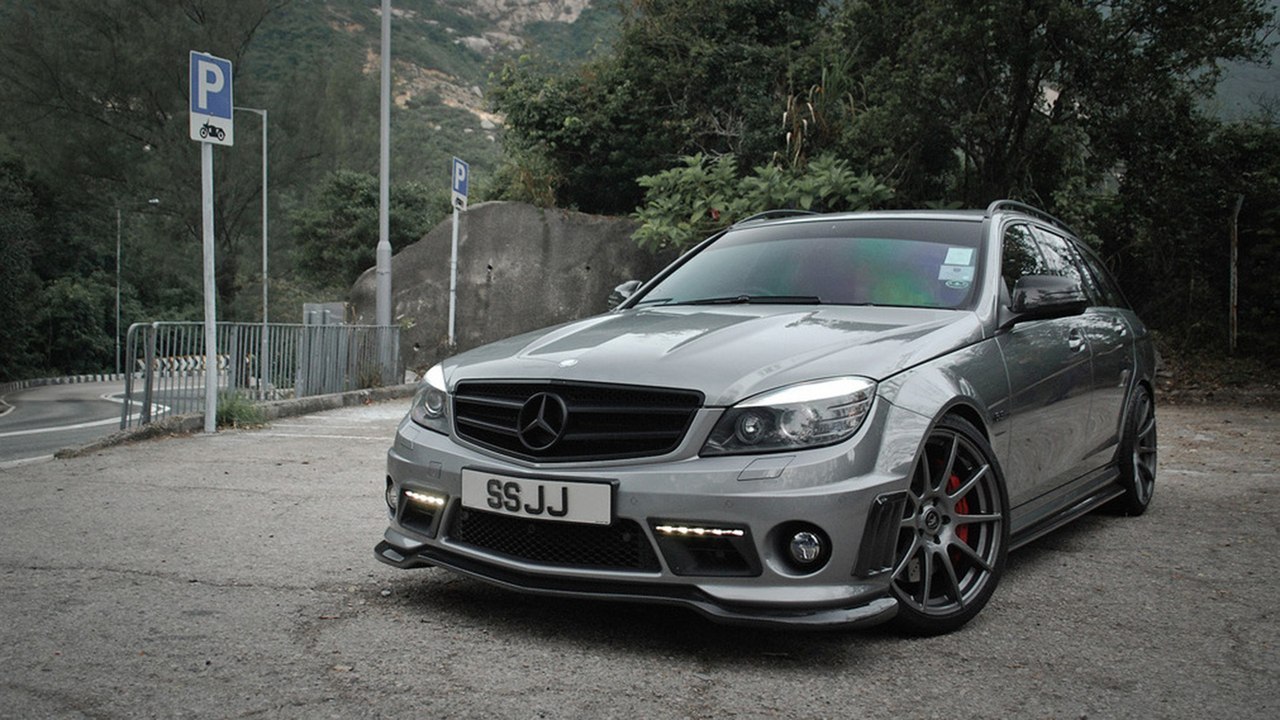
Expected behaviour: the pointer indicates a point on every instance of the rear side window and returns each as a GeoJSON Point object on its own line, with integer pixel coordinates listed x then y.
{"type": "Point", "coordinates": [1107, 288]}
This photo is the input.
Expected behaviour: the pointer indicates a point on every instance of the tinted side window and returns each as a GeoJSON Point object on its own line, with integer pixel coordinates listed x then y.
{"type": "Point", "coordinates": [1107, 287]}
{"type": "Point", "coordinates": [1020, 256]}
{"type": "Point", "coordinates": [1060, 258]}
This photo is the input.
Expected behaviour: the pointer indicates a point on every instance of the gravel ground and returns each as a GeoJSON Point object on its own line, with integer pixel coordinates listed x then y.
{"type": "Point", "coordinates": [232, 576]}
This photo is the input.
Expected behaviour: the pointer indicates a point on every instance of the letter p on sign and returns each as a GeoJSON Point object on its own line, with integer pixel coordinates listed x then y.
{"type": "Point", "coordinates": [211, 81]}
{"type": "Point", "coordinates": [461, 172]}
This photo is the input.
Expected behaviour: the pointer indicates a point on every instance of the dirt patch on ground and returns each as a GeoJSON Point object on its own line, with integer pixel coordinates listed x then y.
{"type": "Point", "coordinates": [1201, 380]}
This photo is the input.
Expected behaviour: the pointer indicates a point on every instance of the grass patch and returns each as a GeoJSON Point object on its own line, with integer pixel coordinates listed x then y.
{"type": "Point", "coordinates": [238, 411]}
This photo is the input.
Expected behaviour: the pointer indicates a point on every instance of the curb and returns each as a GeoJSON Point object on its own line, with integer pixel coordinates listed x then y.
{"type": "Point", "coordinates": [9, 387]}
{"type": "Point", "coordinates": [192, 423]}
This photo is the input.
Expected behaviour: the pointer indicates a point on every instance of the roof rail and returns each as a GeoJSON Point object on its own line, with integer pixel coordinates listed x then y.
{"type": "Point", "coordinates": [1028, 209]}
{"type": "Point", "coordinates": [774, 214]}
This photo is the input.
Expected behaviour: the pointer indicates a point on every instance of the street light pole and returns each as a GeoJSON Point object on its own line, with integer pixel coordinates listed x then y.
{"type": "Point", "coordinates": [383, 253]}
{"type": "Point", "coordinates": [263, 358]}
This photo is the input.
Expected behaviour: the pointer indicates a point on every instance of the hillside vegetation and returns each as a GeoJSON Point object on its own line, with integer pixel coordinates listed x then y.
{"type": "Point", "coordinates": [685, 113]}
{"type": "Point", "coordinates": [94, 97]}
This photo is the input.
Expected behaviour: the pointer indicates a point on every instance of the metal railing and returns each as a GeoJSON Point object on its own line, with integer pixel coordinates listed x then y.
{"type": "Point", "coordinates": [166, 363]}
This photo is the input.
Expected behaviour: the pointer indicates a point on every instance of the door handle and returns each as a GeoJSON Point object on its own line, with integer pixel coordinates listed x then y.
{"type": "Point", "coordinates": [1075, 340]}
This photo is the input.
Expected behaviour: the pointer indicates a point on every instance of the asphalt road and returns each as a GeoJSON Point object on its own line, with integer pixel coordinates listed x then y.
{"type": "Point", "coordinates": [38, 421]}
{"type": "Point", "coordinates": [232, 576]}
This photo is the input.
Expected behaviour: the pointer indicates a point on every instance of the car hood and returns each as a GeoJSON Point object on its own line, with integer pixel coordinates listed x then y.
{"type": "Point", "coordinates": [727, 353]}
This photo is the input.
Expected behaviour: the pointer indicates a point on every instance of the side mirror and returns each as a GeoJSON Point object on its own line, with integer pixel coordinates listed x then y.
{"type": "Point", "coordinates": [623, 292]}
{"type": "Point", "coordinates": [1040, 297]}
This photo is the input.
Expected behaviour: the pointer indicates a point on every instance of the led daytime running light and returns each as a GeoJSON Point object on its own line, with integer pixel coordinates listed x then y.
{"type": "Point", "coordinates": [699, 531]}
{"type": "Point", "coordinates": [425, 498]}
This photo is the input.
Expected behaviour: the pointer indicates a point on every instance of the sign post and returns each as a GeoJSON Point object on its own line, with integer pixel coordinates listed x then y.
{"type": "Point", "coordinates": [210, 124]}
{"type": "Point", "coordinates": [461, 179]}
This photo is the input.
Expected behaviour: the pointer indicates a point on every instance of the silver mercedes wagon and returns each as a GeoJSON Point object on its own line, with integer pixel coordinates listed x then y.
{"type": "Point", "coordinates": [806, 420]}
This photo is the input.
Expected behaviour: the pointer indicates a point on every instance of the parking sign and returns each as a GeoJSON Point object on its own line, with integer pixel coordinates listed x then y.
{"type": "Point", "coordinates": [211, 101]}
{"type": "Point", "coordinates": [461, 176]}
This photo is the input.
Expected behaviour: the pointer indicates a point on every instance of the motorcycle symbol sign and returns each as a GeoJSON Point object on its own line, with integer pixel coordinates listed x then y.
{"type": "Point", "coordinates": [207, 131]}
{"type": "Point", "coordinates": [211, 99]}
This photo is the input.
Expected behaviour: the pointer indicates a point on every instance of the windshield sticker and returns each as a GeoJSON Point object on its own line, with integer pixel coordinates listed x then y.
{"type": "Point", "coordinates": [957, 273]}
{"type": "Point", "coordinates": [959, 256]}
{"type": "Point", "coordinates": [958, 284]}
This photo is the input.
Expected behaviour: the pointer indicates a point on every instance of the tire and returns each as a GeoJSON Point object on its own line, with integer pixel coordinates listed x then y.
{"type": "Point", "coordinates": [954, 535]}
{"type": "Point", "coordinates": [1137, 455]}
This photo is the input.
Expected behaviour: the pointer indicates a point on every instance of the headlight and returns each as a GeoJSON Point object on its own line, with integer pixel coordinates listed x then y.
{"type": "Point", "coordinates": [807, 415]}
{"type": "Point", "coordinates": [431, 405]}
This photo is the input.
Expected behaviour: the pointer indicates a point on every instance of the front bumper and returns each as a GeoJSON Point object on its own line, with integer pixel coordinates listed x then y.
{"type": "Point", "coordinates": [840, 490]}
{"type": "Point", "coordinates": [874, 612]}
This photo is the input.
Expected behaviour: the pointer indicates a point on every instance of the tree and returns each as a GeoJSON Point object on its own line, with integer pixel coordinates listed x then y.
{"type": "Point", "coordinates": [688, 203]}
{"type": "Point", "coordinates": [106, 113]}
{"type": "Point", "coordinates": [685, 77]}
{"type": "Point", "coordinates": [336, 233]}
{"type": "Point", "coordinates": [20, 289]}
{"type": "Point", "coordinates": [1015, 98]}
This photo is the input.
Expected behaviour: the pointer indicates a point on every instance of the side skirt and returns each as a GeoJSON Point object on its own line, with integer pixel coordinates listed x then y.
{"type": "Point", "coordinates": [1102, 487]}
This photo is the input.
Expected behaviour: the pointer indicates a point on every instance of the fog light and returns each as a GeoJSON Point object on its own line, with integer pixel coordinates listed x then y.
{"type": "Point", "coordinates": [806, 548]}
{"type": "Point", "coordinates": [393, 495]}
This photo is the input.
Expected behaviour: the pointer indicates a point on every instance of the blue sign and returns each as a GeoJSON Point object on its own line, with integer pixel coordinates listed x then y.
{"type": "Point", "coordinates": [211, 100]}
{"type": "Point", "coordinates": [461, 176]}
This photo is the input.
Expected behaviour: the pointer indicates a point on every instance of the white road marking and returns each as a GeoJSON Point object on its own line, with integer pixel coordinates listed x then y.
{"type": "Point", "coordinates": [24, 461]}
{"type": "Point", "coordinates": [379, 438]}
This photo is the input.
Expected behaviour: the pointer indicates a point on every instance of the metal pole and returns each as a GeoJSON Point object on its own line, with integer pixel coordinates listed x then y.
{"type": "Point", "coordinates": [383, 255]}
{"type": "Point", "coordinates": [453, 277]}
{"type": "Point", "coordinates": [210, 291]}
{"type": "Point", "coordinates": [263, 372]}
{"type": "Point", "coordinates": [1235, 245]}
{"type": "Point", "coordinates": [118, 221]}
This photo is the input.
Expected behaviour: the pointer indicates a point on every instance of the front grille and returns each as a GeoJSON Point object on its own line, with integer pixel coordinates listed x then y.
{"type": "Point", "coordinates": [620, 546]}
{"type": "Point", "coordinates": [600, 421]}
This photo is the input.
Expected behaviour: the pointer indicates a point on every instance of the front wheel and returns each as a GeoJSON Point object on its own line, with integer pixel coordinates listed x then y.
{"type": "Point", "coordinates": [954, 533]}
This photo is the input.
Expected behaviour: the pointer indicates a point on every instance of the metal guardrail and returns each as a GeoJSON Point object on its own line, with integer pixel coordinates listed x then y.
{"type": "Point", "coordinates": [166, 363]}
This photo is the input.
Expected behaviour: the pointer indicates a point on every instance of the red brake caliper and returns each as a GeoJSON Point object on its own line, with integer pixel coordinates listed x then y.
{"type": "Point", "coordinates": [962, 508]}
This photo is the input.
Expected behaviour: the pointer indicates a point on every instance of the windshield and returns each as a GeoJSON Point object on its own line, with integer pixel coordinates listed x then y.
{"type": "Point", "coordinates": [909, 263]}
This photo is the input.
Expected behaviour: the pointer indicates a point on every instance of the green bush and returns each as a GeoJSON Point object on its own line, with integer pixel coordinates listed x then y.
{"type": "Point", "coordinates": [237, 410]}
{"type": "Point", "coordinates": [687, 203]}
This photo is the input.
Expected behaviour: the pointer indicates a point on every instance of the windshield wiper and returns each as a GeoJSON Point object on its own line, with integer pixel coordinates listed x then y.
{"type": "Point", "coordinates": [754, 299]}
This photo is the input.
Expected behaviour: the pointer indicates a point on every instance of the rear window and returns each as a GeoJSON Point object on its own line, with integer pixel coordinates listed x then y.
{"type": "Point", "coordinates": [916, 263]}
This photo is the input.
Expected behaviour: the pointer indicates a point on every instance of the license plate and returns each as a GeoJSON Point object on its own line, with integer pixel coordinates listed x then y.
{"type": "Point", "coordinates": [575, 502]}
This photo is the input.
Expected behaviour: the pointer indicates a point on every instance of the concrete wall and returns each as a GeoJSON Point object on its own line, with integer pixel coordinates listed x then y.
{"type": "Point", "coordinates": [520, 268]}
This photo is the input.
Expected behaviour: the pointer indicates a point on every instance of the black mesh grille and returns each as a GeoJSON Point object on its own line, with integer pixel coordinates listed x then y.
{"type": "Point", "coordinates": [880, 537]}
{"type": "Point", "coordinates": [620, 546]}
{"type": "Point", "coordinates": [601, 421]}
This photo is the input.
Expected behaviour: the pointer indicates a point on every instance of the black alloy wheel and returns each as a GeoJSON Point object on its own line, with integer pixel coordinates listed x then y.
{"type": "Point", "coordinates": [954, 534]}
